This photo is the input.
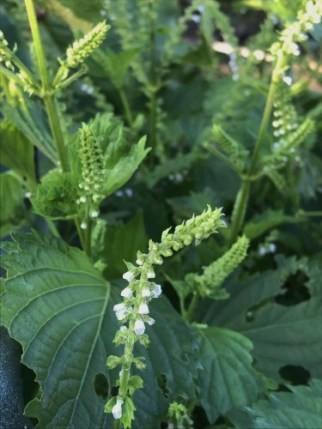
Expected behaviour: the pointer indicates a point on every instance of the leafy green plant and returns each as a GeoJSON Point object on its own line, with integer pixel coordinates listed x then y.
{"type": "Point", "coordinates": [136, 302]}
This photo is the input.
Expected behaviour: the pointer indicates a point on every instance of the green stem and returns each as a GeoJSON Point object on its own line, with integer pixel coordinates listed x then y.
{"type": "Point", "coordinates": [242, 199]}
{"type": "Point", "coordinates": [40, 56]}
{"type": "Point", "coordinates": [303, 213]}
{"type": "Point", "coordinates": [46, 92]}
{"type": "Point", "coordinates": [191, 309]}
{"type": "Point", "coordinates": [126, 106]}
{"type": "Point", "coordinates": [55, 126]}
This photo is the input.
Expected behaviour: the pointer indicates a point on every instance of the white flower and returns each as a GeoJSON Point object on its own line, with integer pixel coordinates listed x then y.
{"type": "Point", "coordinates": [146, 293]}
{"type": "Point", "coordinates": [144, 309]}
{"type": "Point", "coordinates": [139, 261]}
{"type": "Point", "coordinates": [287, 80]}
{"type": "Point", "coordinates": [117, 409]}
{"type": "Point", "coordinates": [83, 225]}
{"type": "Point", "coordinates": [94, 214]}
{"type": "Point", "coordinates": [127, 292]}
{"type": "Point", "coordinates": [157, 290]}
{"type": "Point", "coordinates": [151, 274]}
{"type": "Point", "coordinates": [120, 311]}
{"type": "Point", "coordinates": [150, 321]}
{"type": "Point", "coordinates": [139, 327]}
{"type": "Point", "coordinates": [129, 276]}
{"type": "Point", "coordinates": [82, 199]}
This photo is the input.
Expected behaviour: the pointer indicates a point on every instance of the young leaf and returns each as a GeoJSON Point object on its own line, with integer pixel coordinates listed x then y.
{"type": "Point", "coordinates": [228, 379]}
{"type": "Point", "coordinates": [57, 195]}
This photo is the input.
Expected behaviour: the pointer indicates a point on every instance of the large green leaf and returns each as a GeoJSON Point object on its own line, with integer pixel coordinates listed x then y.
{"type": "Point", "coordinates": [282, 335]}
{"type": "Point", "coordinates": [59, 308]}
{"type": "Point", "coordinates": [228, 379]}
{"type": "Point", "coordinates": [12, 210]}
{"type": "Point", "coordinates": [301, 409]}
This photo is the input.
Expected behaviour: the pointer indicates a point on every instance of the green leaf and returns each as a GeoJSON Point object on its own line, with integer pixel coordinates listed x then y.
{"type": "Point", "coordinates": [122, 157]}
{"type": "Point", "coordinates": [57, 195]}
{"type": "Point", "coordinates": [12, 210]}
{"type": "Point", "coordinates": [116, 64]}
{"type": "Point", "coordinates": [300, 409]}
{"type": "Point", "coordinates": [16, 151]}
{"type": "Point", "coordinates": [119, 243]}
{"type": "Point", "coordinates": [281, 335]}
{"type": "Point", "coordinates": [83, 8]}
{"type": "Point", "coordinates": [32, 124]}
{"type": "Point", "coordinates": [60, 309]}
{"type": "Point", "coordinates": [259, 224]}
{"type": "Point", "coordinates": [228, 379]}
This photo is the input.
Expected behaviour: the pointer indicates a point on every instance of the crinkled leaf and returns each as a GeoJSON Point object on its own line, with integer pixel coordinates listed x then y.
{"type": "Point", "coordinates": [228, 379]}
{"type": "Point", "coordinates": [16, 151]}
{"type": "Point", "coordinates": [12, 210]}
{"type": "Point", "coordinates": [282, 335]}
{"type": "Point", "coordinates": [56, 196]}
{"type": "Point", "coordinates": [301, 409]}
{"type": "Point", "coordinates": [59, 308]}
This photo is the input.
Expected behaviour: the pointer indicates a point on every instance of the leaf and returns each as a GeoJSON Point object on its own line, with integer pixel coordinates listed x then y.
{"type": "Point", "coordinates": [32, 124]}
{"type": "Point", "coordinates": [300, 409]}
{"type": "Point", "coordinates": [16, 151]}
{"type": "Point", "coordinates": [281, 335]}
{"type": "Point", "coordinates": [122, 158]}
{"type": "Point", "coordinates": [60, 309]}
{"type": "Point", "coordinates": [172, 166]}
{"type": "Point", "coordinates": [121, 242]}
{"type": "Point", "coordinates": [259, 224]}
{"type": "Point", "coordinates": [228, 379]}
{"type": "Point", "coordinates": [57, 195]}
{"type": "Point", "coordinates": [83, 8]}
{"type": "Point", "coordinates": [12, 210]}
{"type": "Point", "coordinates": [116, 64]}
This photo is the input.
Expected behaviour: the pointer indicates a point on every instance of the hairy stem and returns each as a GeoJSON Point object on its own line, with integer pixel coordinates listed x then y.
{"type": "Point", "coordinates": [241, 202]}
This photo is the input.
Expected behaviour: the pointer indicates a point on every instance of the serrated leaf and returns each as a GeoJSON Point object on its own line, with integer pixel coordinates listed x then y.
{"type": "Point", "coordinates": [56, 196]}
{"type": "Point", "coordinates": [259, 224]}
{"type": "Point", "coordinates": [60, 309]}
{"type": "Point", "coordinates": [300, 409]}
{"type": "Point", "coordinates": [12, 210]}
{"type": "Point", "coordinates": [228, 379]}
{"type": "Point", "coordinates": [16, 151]}
{"type": "Point", "coordinates": [281, 335]}
{"type": "Point", "coordinates": [121, 157]}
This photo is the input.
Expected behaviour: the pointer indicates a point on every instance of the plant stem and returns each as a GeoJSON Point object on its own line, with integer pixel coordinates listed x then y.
{"type": "Point", "coordinates": [126, 106]}
{"type": "Point", "coordinates": [55, 126]}
{"type": "Point", "coordinates": [242, 199]}
{"type": "Point", "coordinates": [191, 309]}
{"type": "Point", "coordinates": [47, 92]}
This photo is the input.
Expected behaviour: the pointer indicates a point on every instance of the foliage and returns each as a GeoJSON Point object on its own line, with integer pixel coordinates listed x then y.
{"type": "Point", "coordinates": [124, 124]}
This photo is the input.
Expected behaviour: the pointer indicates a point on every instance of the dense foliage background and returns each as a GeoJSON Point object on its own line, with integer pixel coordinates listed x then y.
{"type": "Point", "coordinates": [194, 78]}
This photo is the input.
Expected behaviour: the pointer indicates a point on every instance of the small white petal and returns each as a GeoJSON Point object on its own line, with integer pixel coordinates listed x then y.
{"type": "Point", "coordinates": [139, 261]}
{"type": "Point", "coordinates": [151, 275]}
{"type": "Point", "coordinates": [157, 290]}
{"type": "Point", "coordinates": [143, 309]}
{"type": "Point", "coordinates": [150, 321]}
{"type": "Point", "coordinates": [82, 199]}
{"type": "Point", "coordinates": [127, 292]}
{"type": "Point", "coordinates": [83, 225]}
{"type": "Point", "coordinates": [117, 409]}
{"type": "Point", "coordinates": [146, 293]}
{"type": "Point", "coordinates": [287, 80]}
{"type": "Point", "coordinates": [94, 214]}
{"type": "Point", "coordinates": [139, 327]}
{"type": "Point", "coordinates": [129, 276]}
